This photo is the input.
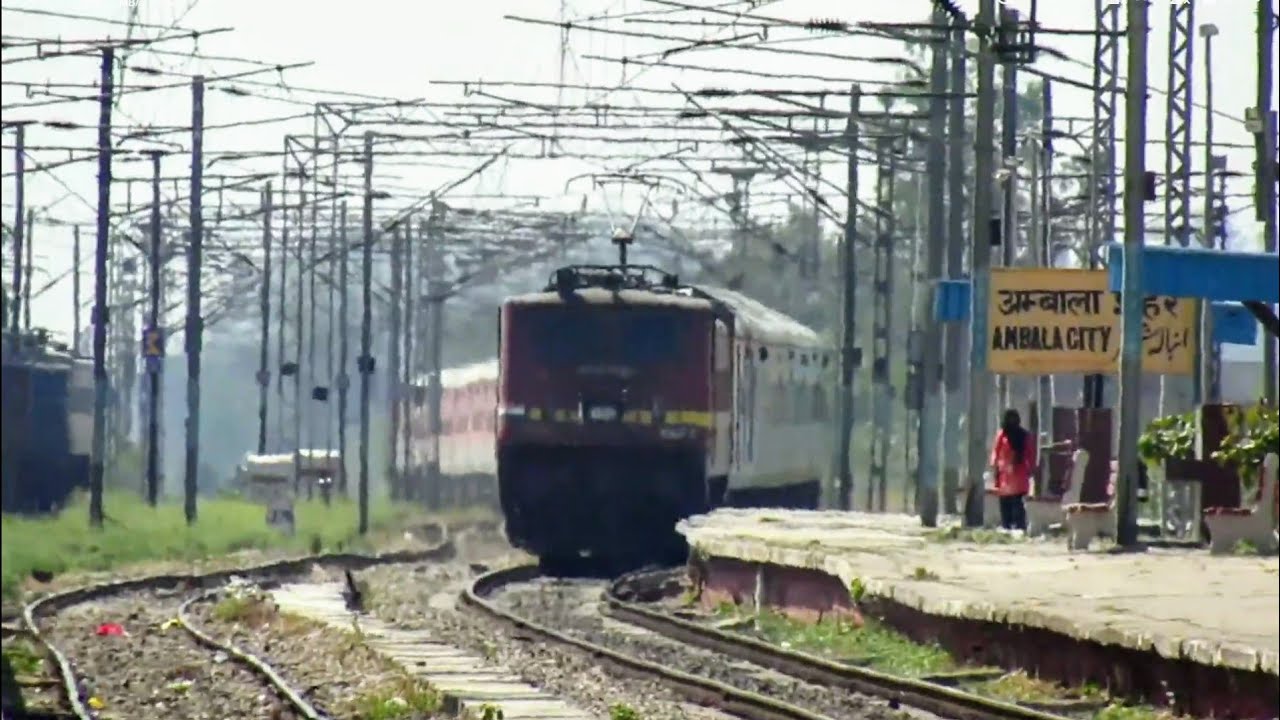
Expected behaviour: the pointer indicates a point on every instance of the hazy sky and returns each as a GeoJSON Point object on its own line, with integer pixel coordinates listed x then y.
{"type": "Point", "coordinates": [399, 47]}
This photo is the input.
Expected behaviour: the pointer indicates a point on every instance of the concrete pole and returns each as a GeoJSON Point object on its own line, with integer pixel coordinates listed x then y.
{"type": "Point", "coordinates": [155, 378]}
{"type": "Point", "coordinates": [284, 298]}
{"type": "Point", "coordinates": [344, 351]}
{"type": "Point", "coordinates": [1204, 363]}
{"type": "Point", "coordinates": [97, 468]}
{"type": "Point", "coordinates": [19, 213]}
{"type": "Point", "coordinates": [29, 271]}
{"type": "Point", "coordinates": [1265, 140]}
{"type": "Point", "coordinates": [928, 445]}
{"type": "Point", "coordinates": [264, 340]}
{"type": "Point", "coordinates": [981, 228]}
{"type": "Point", "coordinates": [193, 334]}
{"type": "Point", "coordinates": [1044, 241]}
{"type": "Point", "coordinates": [1132, 297]}
{"type": "Point", "coordinates": [393, 362]}
{"type": "Point", "coordinates": [955, 333]}
{"type": "Point", "coordinates": [1009, 195]}
{"type": "Point", "coordinates": [75, 289]}
{"type": "Point", "coordinates": [366, 331]}
{"type": "Point", "coordinates": [849, 280]}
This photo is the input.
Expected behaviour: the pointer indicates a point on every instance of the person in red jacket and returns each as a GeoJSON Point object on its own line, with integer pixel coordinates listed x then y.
{"type": "Point", "coordinates": [1013, 459]}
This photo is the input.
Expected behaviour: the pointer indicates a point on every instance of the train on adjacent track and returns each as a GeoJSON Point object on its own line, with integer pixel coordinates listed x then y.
{"type": "Point", "coordinates": [46, 424]}
{"type": "Point", "coordinates": [623, 400]}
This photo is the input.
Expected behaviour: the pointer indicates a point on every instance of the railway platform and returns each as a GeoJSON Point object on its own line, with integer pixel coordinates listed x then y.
{"type": "Point", "coordinates": [1168, 626]}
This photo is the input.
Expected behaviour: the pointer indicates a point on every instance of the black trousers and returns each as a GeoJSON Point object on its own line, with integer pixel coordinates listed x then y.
{"type": "Point", "coordinates": [1013, 513]}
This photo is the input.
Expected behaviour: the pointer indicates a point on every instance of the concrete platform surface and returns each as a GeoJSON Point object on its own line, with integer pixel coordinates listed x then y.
{"type": "Point", "coordinates": [1220, 611]}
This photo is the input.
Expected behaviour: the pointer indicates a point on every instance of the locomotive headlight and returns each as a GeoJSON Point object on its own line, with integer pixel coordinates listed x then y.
{"type": "Point", "coordinates": [512, 411]}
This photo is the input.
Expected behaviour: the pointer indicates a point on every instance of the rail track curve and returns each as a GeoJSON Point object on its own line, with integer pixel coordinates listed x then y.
{"type": "Point", "coordinates": [931, 697]}
{"type": "Point", "coordinates": [697, 689]}
{"type": "Point", "coordinates": [276, 570]}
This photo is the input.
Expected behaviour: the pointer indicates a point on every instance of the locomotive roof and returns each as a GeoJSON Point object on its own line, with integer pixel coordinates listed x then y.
{"type": "Point", "coordinates": [760, 321]}
{"type": "Point", "coordinates": [603, 296]}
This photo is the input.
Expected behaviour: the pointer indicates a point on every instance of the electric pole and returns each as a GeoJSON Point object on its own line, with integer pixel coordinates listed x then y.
{"type": "Point", "coordinates": [393, 360]}
{"type": "Point", "coordinates": [980, 259]}
{"type": "Point", "coordinates": [365, 364]}
{"type": "Point", "coordinates": [285, 368]}
{"type": "Point", "coordinates": [19, 216]}
{"type": "Point", "coordinates": [955, 333]}
{"type": "Point", "coordinates": [344, 324]}
{"type": "Point", "coordinates": [435, 356]}
{"type": "Point", "coordinates": [29, 272]}
{"type": "Point", "coordinates": [882, 324]}
{"type": "Point", "coordinates": [299, 330]}
{"type": "Point", "coordinates": [849, 279]}
{"type": "Point", "coordinates": [100, 319]}
{"type": "Point", "coordinates": [264, 340]}
{"type": "Point", "coordinates": [154, 378]}
{"type": "Point", "coordinates": [405, 372]}
{"type": "Point", "coordinates": [1008, 154]}
{"type": "Point", "coordinates": [1041, 241]}
{"type": "Point", "coordinates": [1132, 297]}
{"type": "Point", "coordinates": [75, 289]}
{"type": "Point", "coordinates": [194, 334]}
{"type": "Point", "coordinates": [930, 378]}
{"type": "Point", "coordinates": [1265, 172]}
{"type": "Point", "coordinates": [1204, 357]}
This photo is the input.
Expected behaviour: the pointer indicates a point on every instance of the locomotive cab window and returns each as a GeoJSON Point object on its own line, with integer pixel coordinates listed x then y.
{"type": "Point", "coordinates": [569, 336]}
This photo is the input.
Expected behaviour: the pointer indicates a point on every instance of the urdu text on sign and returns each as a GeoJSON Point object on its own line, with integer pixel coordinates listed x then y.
{"type": "Point", "coordinates": [1049, 321]}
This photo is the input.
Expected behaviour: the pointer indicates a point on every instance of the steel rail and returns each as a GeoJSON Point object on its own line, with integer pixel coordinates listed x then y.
{"type": "Point", "coordinates": [697, 689]}
{"type": "Point", "coordinates": [52, 604]}
{"type": "Point", "coordinates": [928, 696]}
{"type": "Point", "coordinates": [283, 689]}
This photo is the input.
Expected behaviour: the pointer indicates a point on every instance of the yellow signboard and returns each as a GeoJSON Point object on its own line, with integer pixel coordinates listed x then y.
{"type": "Point", "coordinates": [1044, 321]}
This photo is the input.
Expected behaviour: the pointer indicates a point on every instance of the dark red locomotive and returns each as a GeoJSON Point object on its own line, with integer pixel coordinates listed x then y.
{"type": "Point", "coordinates": [628, 401]}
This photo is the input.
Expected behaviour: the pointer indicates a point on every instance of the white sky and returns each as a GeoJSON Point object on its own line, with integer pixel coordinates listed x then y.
{"type": "Point", "coordinates": [398, 47]}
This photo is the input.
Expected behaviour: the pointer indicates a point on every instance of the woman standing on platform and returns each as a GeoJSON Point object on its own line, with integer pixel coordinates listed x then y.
{"type": "Point", "coordinates": [1013, 458]}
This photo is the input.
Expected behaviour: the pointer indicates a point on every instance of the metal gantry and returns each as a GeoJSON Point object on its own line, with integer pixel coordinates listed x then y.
{"type": "Point", "coordinates": [1177, 169]}
{"type": "Point", "coordinates": [1177, 166]}
{"type": "Point", "coordinates": [1102, 183]}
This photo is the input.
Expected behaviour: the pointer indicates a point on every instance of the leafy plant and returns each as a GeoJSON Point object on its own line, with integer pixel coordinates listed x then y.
{"type": "Point", "coordinates": [619, 711]}
{"type": "Point", "coordinates": [1254, 432]}
{"type": "Point", "coordinates": [1172, 437]}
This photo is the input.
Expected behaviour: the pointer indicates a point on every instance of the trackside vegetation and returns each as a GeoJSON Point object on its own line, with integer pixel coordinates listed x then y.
{"type": "Point", "coordinates": [134, 532]}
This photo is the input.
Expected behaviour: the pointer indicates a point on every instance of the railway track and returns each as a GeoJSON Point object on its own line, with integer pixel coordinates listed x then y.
{"type": "Point", "coordinates": [198, 587]}
{"type": "Point", "coordinates": [819, 689]}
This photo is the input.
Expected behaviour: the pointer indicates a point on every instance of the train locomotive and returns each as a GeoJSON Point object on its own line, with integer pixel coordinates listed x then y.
{"type": "Point", "coordinates": [627, 401]}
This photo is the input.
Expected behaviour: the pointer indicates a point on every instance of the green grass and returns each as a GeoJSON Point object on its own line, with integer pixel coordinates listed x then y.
{"type": "Point", "coordinates": [401, 699]}
{"type": "Point", "coordinates": [878, 647]}
{"type": "Point", "coordinates": [873, 645]}
{"type": "Point", "coordinates": [134, 532]}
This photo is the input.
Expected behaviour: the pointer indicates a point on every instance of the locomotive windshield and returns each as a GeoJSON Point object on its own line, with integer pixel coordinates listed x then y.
{"type": "Point", "coordinates": [563, 336]}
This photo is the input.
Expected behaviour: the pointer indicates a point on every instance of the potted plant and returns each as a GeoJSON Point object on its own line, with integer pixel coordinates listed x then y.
{"type": "Point", "coordinates": [1171, 437]}
{"type": "Point", "coordinates": [1254, 432]}
{"type": "Point", "coordinates": [1166, 442]}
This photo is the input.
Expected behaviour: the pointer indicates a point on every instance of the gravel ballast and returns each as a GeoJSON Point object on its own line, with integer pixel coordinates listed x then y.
{"type": "Point", "coordinates": [573, 607]}
{"type": "Point", "coordinates": [334, 670]}
{"type": "Point", "coordinates": [425, 598]}
{"type": "Point", "coordinates": [156, 670]}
